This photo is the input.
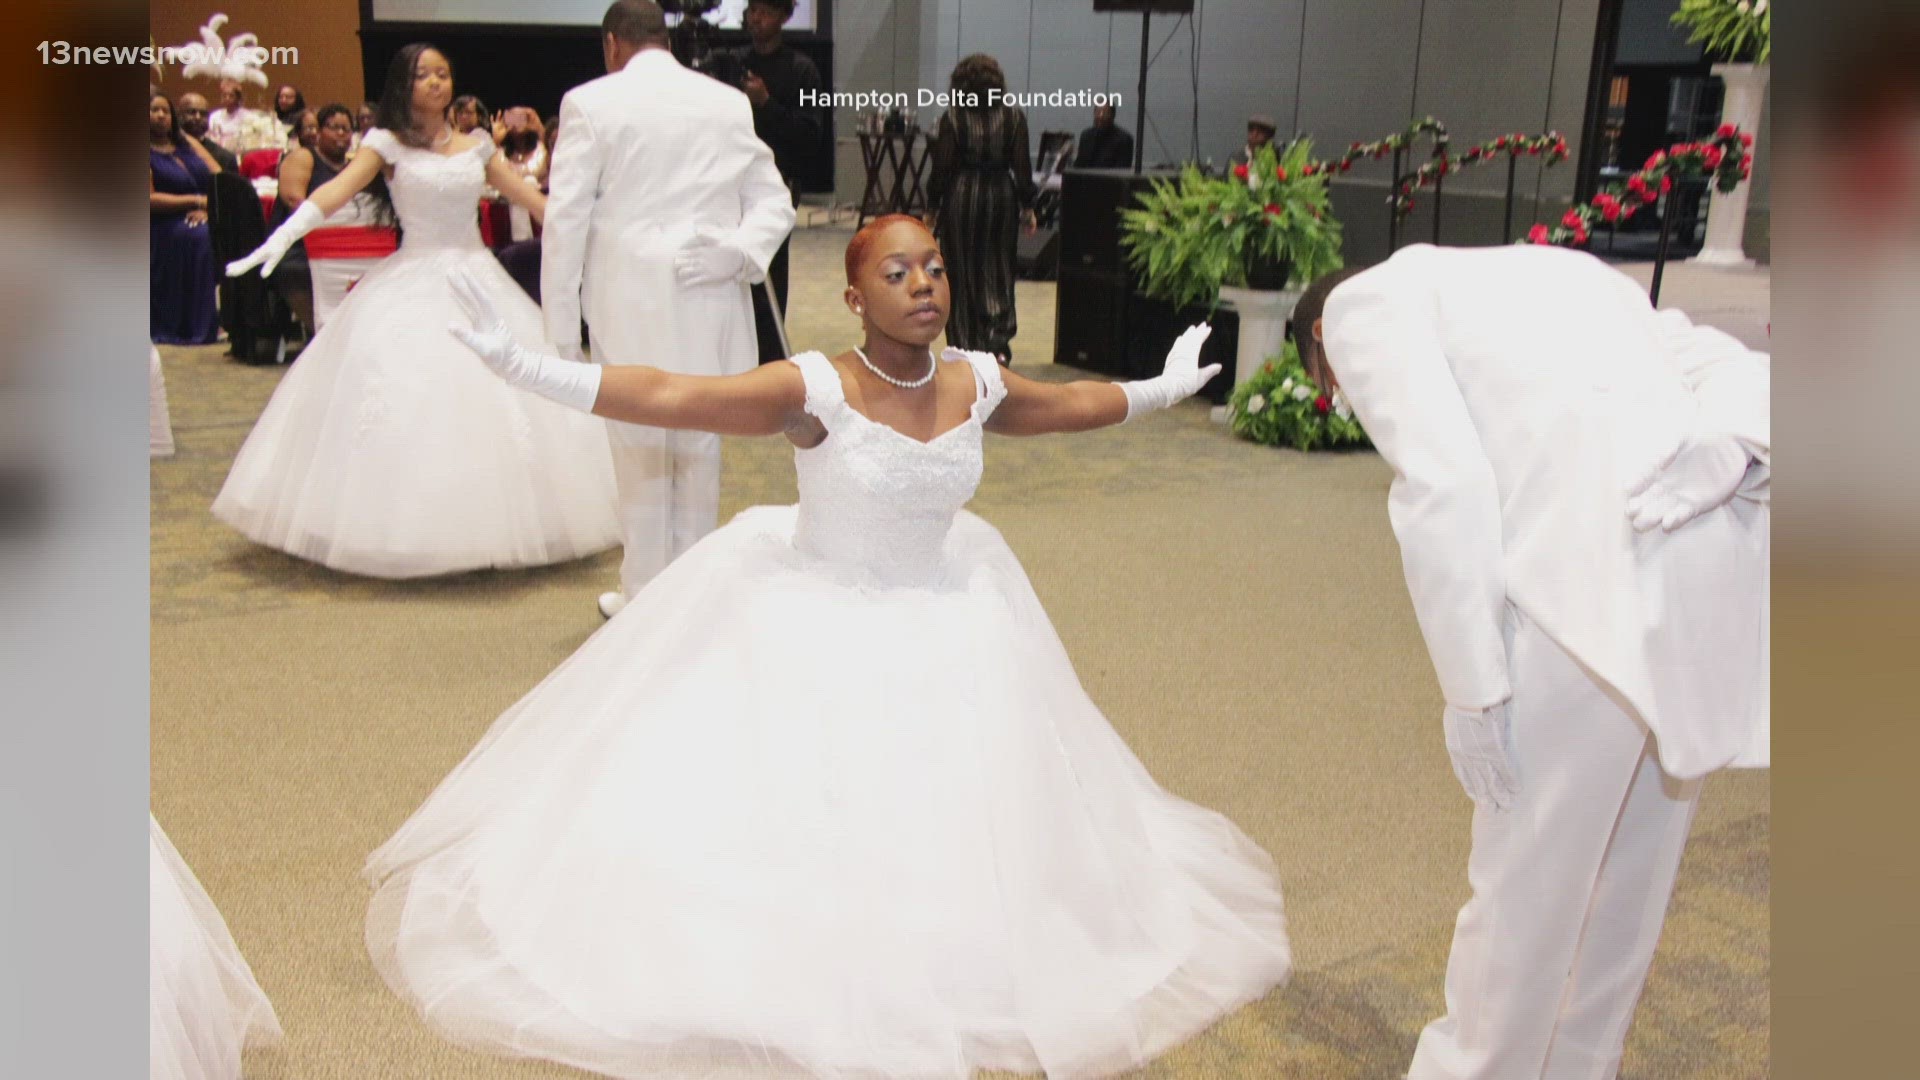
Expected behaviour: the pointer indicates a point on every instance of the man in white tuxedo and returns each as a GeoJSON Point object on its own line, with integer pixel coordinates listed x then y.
{"type": "Point", "coordinates": [663, 208]}
{"type": "Point", "coordinates": [1580, 496]}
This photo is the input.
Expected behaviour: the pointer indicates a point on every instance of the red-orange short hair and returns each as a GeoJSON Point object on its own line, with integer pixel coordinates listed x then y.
{"type": "Point", "coordinates": [857, 248]}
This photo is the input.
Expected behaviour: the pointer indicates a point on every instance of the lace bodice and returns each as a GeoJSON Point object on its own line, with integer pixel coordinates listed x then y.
{"type": "Point", "coordinates": [879, 502]}
{"type": "Point", "coordinates": [437, 196]}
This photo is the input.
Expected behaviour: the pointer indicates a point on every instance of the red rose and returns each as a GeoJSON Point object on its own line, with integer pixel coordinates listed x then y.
{"type": "Point", "coordinates": [1274, 209]}
{"type": "Point", "coordinates": [1580, 234]}
{"type": "Point", "coordinates": [1322, 405]}
{"type": "Point", "coordinates": [1746, 139]}
{"type": "Point", "coordinates": [1443, 166]}
{"type": "Point", "coordinates": [1572, 219]}
{"type": "Point", "coordinates": [1659, 157]}
{"type": "Point", "coordinates": [1240, 172]}
{"type": "Point", "coordinates": [1500, 143]}
{"type": "Point", "coordinates": [1346, 166]}
{"type": "Point", "coordinates": [1280, 172]}
{"type": "Point", "coordinates": [1537, 234]}
{"type": "Point", "coordinates": [1534, 150]}
{"type": "Point", "coordinates": [1666, 184]}
{"type": "Point", "coordinates": [1306, 170]}
{"type": "Point", "coordinates": [1727, 131]}
{"type": "Point", "coordinates": [1610, 212]}
{"type": "Point", "coordinates": [1713, 157]}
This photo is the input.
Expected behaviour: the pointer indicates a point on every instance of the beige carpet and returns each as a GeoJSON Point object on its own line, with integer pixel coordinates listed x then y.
{"type": "Point", "coordinates": [1237, 611]}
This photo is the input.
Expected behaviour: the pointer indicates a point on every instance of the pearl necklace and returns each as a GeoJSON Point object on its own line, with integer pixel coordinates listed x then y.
{"type": "Point", "coordinates": [932, 366]}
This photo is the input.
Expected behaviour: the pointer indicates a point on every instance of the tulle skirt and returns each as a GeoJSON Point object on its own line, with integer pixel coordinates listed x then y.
{"type": "Point", "coordinates": [389, 450]}
{"type": "Point", "coordinates": [778, 819]}
{"type": "Point", "coordinates": [204, 1003]}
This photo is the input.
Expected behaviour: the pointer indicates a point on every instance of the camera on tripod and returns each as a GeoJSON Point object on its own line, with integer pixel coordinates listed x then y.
{"type": "Point", "coordinates": [692, 42]}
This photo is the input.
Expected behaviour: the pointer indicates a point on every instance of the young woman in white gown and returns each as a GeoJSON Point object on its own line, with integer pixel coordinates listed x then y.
{"type": "Point", "coordinates": [827, 798]}
{"type": "Point", "coordinates": [384, 452]}
{"type": "Point", "coordinates": [203, 1003]}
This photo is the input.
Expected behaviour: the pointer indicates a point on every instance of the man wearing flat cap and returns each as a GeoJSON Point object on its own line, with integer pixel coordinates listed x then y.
{"type": "Point", "coordinates": [1260, 132]}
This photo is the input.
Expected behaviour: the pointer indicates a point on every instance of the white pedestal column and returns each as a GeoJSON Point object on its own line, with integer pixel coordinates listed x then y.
{"type": "Point", "coordinates": [1263, 328]}
{"type": "Point", "coordinates": [1727, 214]}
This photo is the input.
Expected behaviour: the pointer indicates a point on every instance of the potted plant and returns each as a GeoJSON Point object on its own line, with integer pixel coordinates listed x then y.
{"type": "Point", "coordinates": [1740, 34]}
{"type": "Point", "coordinates": [1262, 225]}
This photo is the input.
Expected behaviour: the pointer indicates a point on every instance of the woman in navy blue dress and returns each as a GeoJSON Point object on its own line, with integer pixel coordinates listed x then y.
{"type": "Point", "coordinates": [180, 295]}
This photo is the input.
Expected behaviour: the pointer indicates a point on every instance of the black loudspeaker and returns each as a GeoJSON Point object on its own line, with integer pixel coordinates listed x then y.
{"type": "Point", "coordinates": [1152, 327]}
{"type": "Point", "coordinates": [1089, 330]}
{"type": "Point", "coordinates": [1038, 256]}
{"type": "Point", "coordinates": [1090, 205]}
{"type": "Point", "coordinates": [1169, 7]}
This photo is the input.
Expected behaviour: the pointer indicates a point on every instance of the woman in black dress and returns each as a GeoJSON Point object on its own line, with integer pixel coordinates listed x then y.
{"type": "Point", "coordinates": [982, 193]}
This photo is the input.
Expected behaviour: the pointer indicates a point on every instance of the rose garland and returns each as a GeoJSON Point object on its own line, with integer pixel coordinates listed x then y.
{"type": "Point", "coordinates": [1553, 145]}
{"type": "Point", "coordinates": [1727, 157]}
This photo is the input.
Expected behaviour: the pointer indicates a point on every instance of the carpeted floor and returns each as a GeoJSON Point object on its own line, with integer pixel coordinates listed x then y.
{"type": "Point", "coordinates": [1237, 611]}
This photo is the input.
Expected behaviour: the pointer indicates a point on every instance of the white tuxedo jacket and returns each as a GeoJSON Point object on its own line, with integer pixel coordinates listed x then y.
{"type": "Point", "coordinates": [1517, 392]}
{"type": "Point", "coordinates": [646, 155]}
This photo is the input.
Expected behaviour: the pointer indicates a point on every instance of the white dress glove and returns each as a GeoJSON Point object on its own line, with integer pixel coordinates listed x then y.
{"type": "Point", "coordinates": [268, 255]}
{"type": "Point", "coordinates": [1480, 743]}
{"type": "Point", "coordinates": [705, 259]}
{"type": "Point", "coordinates": [1181, 379]}
{"type": "Point", "coordinates": [1702, 473]}
{"type": "Point", "coordinates": [575, 385]}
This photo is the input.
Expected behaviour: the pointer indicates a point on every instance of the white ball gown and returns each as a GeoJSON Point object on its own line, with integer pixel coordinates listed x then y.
{"type": "Point", "coordinates": [386, 451]}
{"type": "Point", "coordinates": [825, 799]}
{"type": "Point", "coordinates": [203, 1002]}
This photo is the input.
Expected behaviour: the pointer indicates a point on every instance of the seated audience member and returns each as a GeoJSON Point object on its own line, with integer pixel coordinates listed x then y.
{"type": "Point", "coordinates": [193, 112]}
{"type": "Point", "coordinates": [1105, 145]}
{"type": "Point", "coordinates": [1260, 132]}
{"type": "Point", "coordinates": [306, 167]}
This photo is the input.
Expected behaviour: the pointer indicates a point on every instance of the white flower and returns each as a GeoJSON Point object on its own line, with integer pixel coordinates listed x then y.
{"type": "Point", "coordinates": [1743, 7]}
{"type": "Point", "coordinates": [1256, 403]}
{"type": "Point", "coordinates": [1759, 7]}
{"type": "Point", "coordinates": [1286, 385]}
{"type": "Point", "coordinates": [1340, 407]}
{"type": "Point", "coordinates": [1302, 393]}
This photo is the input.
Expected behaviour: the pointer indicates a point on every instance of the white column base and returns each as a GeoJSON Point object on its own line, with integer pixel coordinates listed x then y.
{"type": "Point", "coordinates": [1735, 258]}
{"type": "Point", "coordinates": [1263, 326]}
{"type": "Point", "coordinates": [1727, 213]}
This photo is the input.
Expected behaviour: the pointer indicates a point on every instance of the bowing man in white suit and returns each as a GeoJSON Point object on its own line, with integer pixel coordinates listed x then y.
{"type": "Point", "coordinates": [664, 208]}
{"type": "Point", "coordinates": [1580, 497]}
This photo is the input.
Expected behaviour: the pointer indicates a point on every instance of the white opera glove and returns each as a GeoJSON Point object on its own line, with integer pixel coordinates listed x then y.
{"type": "Point", "coordinates": [573, 384]}
{"type": "Point", "coordinates": [1480, 744]}
{"type": "Point", "coordinates": [1702, 473]}
{"type": "Point", "coordinates": [706, 259]}
{"type": "Point", "coordinates": [268, 255]}
{"type": "Point", "coordinates": [1181, 379]}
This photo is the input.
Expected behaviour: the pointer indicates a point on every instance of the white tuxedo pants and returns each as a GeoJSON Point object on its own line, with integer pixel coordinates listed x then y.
{"type": "Point", "coordinates": [1570, 886]}
{"type": "Point", "coordinates": [669, 487]}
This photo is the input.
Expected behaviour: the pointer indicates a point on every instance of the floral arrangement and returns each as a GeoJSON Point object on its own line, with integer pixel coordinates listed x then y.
{"type": "Point", "coordinates": [1188, 238]}
{"type": "Point", "coordinates": [1281, 406]}
{"type": "Point", "coordinates": [1727, 157]}
{"type": "Point", "coordinates": [1380, 148]}
{"type": "Point", "coordinates": [1740, 30]}
{"type": "Point", "coordinates": [1552, 145]}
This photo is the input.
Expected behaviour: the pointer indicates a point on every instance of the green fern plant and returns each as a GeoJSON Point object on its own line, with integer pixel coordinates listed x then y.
{"type": "Point", "coordinates": [1733, 30]}
{"type": "Point", "coordinates": [1187, 238]}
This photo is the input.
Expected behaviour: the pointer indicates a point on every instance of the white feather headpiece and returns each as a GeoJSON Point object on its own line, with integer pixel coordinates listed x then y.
{"type": "Point", "coordinates": [212, 58]}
